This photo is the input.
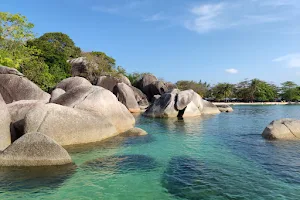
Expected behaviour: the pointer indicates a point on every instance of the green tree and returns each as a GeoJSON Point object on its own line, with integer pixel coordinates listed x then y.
{"type": "Point", "coordinates": [199, 87]}
{"type": "Point", "coordinates": [290, 91]}
{"type": "Point", "coordinates": [222, 91]}
{"type": "Point", "coordinates": [15, 30]}
{"type": "Point", "coordinates": [56, 48]}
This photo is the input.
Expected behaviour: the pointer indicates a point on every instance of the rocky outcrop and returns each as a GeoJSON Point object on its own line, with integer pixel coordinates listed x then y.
{"type": "Point", "coordinates": [34, 149]}
{"type": "Point", "coordinates": [184, 98]}
{"type": "Point", "coordinates": [146, 80]}
{"type": "Point", "coordinates": [224, 108]}
{"type": "Point", "coordinates": [18, 110]}
{"type": "Point", "coordinates": [140, 97]}
{"type": "Point", "coordinates": [67, 85]}
{"type": "Point", "coordinates": [170, 86]}
{"type": "Point", "coordinates": [126, 96]}
{"type": "Point", "coordinates": [283, 129]}
{"type": "Point", "coordinates": [101, 101]}
{"type": "Point", "coordinates": [69, 126]}
{"type": "Point", "coordinates": [56, 93]}
{"type": "Point", "coordinates": [180, 104]}
{"type": "Point", "coordinates": [134, 132]}
{"type": "Point", "coordinates": [8, 70]}
{"type": "Point", "coordinates": [163, 106]}
{"type": "Point", "coordinates": [124, 79]}
{"type": "Point", "coordinates": [16, 88]}
{"type": "Point", "coordinates": [73, 82]}
{"type": "Point", "coordinates": [79, 66]}
{"type": "Point", "coordinates": [5, 121]}
{"type": "Point", "coordinates": [209, 108]}
{"type": "Point", "coordinates": [107, 82]}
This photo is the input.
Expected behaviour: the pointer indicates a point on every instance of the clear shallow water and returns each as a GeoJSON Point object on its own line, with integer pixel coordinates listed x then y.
{"type": "Point", "coordinates": [216, 157]}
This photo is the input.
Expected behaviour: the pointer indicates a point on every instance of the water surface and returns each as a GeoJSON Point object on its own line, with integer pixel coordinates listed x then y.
{"type": "Point", "coordinates": [213, 157]}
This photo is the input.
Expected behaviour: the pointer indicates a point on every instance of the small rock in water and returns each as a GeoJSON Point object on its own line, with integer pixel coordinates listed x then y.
{"type": "Point", "coordinates": [134, 132]}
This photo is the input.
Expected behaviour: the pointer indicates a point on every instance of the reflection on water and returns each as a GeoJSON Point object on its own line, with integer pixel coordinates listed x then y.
{"type": "Point", "coordinates": [34, 178]}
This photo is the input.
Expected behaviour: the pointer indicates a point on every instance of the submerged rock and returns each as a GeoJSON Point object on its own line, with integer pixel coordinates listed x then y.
{"type": "Point", "coordinates": [224, 108]}
{"type": "Point", "coordinates": [68, 126]}
{"type": "Point", "coordinates": [16, 88]}
{"type": "Point", "coordinates": [135, 132]}
{"type": "Point", "coordinates": [122, 164]}
{"type": "Point", "coordinates": [187, 177]}
{"type": "Point", "coordinates": [34, 149]}
{"type": "Point", "coordinates": [34, 178]}
{"type": "Point", "coordinates": [286, 129]}
{"type": "Point", "coordinates": [5, 121]}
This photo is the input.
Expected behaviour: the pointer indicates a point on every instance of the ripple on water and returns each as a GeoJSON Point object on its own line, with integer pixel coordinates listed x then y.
{"type": "Point", "coordinates": [34, 178]}
{"type": "Point", "coordinates": [122, 164]}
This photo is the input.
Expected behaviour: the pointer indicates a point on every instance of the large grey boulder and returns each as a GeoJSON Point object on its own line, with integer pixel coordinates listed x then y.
{"type": "Point", "coordinates": [34, 149]}
{"type": "Point", "coordinates": [72, 82]}
{"type": "Point", "coordinates": [124, 79]}
{"type": "Point", "coordinates": [140, 97]}
{"type": "Point", "coordinates": [5, 121]}
{"type": "Point", "coordinates": [16, 88]}
{"type": "Point", "coordinates": [68, 84]}
{"type": "Point", "coordinates": [163, 107]}
{"type": "Point", "coordinates": [56, 93]}
{"type": "Point", "coordinates": [18, 110]}
{"type": "Point", "coordinates": [126, 96]}
{"type": "Point", "coordinates": [285, 129]}
{"type": "Point", "coordinates": [184, 98]}
{"type": "Point", "coordinates": [107, 82]}
{"type": "Point", "coordinates": [79, 66]}
{"type": "Point", "coordinates": [225, 108]}
{"type": "Point", "coordinates": [145, 80]}
{"type": "Point", "coordinates": [8, 70]}
{"type": "Point", "coordinates": [69, 126]}
{"type": "Point", "coordinates": [209, 108]}
{"type": "Point", "coordinates": [101, 101]}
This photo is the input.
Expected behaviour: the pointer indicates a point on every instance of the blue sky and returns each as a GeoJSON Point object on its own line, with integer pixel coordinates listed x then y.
{"type": "Point", "coordinates": [215, 41]}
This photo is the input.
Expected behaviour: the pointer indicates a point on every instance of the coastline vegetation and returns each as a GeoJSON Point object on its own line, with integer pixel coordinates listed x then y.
{"type": "Point", "coordinates": [43, 60]}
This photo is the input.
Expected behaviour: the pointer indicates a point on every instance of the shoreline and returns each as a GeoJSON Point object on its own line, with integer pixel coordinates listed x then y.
{"type": "Point", "coordinates": [255, 103]}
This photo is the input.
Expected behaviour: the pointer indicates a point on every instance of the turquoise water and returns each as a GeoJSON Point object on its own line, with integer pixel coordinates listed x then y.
{"type": "Point", "coordinates": [216, 157]}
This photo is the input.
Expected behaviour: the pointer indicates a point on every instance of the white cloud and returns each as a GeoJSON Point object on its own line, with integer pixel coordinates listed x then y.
{"type": "Point", "coordinates": [232, 71]}
{"type": "Point", "coordinates": [205, 17]}
{"type": "Point", "coordinates": [111, 10]}
{"type": "Point", "coordinates": [215, 16]}
{"type": "Point", "coordinates": [290, 60]}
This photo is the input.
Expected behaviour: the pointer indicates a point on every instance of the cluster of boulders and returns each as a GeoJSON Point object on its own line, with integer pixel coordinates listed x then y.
{"type": "Point", "coordinates": [34, 125]}
{"type": "Point", "coordinates": [180, 104]}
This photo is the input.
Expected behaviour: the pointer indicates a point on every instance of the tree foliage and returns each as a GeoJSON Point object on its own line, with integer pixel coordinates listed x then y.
{"type": "Point", "coordinates": [201, 87]}
{"type": "Point", "coordinates": [56, 48]}
{"type": "Point", "coordinates": [15, 30]}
